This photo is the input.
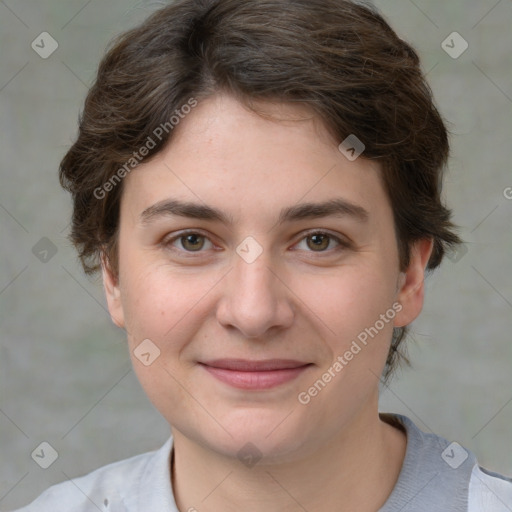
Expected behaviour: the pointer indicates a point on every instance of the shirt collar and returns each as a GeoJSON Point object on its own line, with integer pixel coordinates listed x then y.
{"type": "Point", "coordinates": [152, 489]}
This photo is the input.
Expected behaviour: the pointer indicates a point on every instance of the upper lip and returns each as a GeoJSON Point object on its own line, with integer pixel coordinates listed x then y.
{"type": "Point", "coordinates": [246, 365]}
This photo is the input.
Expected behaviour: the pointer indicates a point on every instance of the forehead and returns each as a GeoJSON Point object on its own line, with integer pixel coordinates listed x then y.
{"type": "Point", "coordinates": [223, 154]}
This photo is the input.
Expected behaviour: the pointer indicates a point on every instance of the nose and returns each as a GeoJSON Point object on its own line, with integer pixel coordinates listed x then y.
{"type": "Point", "coordinates": [255, 298]}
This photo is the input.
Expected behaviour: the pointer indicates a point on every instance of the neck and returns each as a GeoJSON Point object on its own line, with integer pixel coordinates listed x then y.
{"type": "Point", "coordinates": [353, 470]}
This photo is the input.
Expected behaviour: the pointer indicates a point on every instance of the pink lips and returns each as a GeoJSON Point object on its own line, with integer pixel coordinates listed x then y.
{"type": "Point", "coordinates": [245, 374]}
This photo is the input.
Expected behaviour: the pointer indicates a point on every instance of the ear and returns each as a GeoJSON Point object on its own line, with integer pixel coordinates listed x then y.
{"type": "Point", "coordinates": [411, 287]}
{"type": "Point", "coordinates": [112, 292]}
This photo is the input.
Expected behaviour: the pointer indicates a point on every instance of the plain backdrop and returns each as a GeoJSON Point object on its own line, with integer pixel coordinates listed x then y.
{"type": "Point", "coordinates": [65, 372]}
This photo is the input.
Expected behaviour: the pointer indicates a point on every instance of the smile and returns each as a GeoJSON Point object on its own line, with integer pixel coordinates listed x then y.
{"type": "Point", "coordinates": [255, 375]}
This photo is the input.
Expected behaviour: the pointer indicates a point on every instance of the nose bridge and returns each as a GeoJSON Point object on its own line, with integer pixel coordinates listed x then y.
{"type": "Point", "coordinates": [255, 299]}
{"type": "Point", "coordinates": [253, 278]}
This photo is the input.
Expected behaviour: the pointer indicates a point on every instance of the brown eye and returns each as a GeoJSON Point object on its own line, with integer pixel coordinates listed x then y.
{"type": "Point", "coordinates": [323, 242]}
{"type": "Point", "coordinates": [192, 242]}
{"type": "Point", "coordinates": [188, 243]}
{"type": "Point", "coordinates": [318, 241]}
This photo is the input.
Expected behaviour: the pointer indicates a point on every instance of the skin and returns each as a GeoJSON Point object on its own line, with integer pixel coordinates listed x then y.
{"type": "Point", "coordinates": [295, 301]}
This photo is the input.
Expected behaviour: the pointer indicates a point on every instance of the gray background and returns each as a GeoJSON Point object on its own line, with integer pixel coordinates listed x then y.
{"type": "Point", "coordinates": [65, 374]}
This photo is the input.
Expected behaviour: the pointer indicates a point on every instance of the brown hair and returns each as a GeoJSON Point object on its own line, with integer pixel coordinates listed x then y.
{"type": "Point", "coordinates": [338, 57]}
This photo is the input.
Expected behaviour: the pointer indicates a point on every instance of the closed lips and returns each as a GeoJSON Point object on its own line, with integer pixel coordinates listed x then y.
{"type": "Point", "coordinates": [244, 365]}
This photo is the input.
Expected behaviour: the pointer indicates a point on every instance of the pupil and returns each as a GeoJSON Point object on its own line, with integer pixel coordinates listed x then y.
{"type": "Point", "coordinates": [318, 240]}
{"type": "Point", "coordinates": [192, 240]}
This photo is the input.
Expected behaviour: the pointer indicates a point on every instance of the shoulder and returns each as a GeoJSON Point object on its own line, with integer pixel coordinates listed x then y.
{"type": "Point", "coordinates": [489, 491]}
{"type": "Point", "coordinates": [439, 475]}
{"type": "Point", "coordinates": [106, 489]}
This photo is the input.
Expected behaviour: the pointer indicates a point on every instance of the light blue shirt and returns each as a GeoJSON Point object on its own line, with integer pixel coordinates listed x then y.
{"type": "Point", "coordinates": [436, 476]}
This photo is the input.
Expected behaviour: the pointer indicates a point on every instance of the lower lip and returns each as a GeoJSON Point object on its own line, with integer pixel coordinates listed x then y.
{"type": "Point", "coordinates": [255, 380]}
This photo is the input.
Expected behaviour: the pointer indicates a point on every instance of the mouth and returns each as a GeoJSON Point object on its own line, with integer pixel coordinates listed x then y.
{"type": "Point", "coordinates": [255, 375]}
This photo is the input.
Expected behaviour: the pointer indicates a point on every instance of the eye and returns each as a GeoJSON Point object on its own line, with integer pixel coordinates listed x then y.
{"type": "Point", "coordinates": [315, 241]}
{"type": "Point", "coordinates": [319, 241]}
{"type": "Point", "coordinates": [191, 241]}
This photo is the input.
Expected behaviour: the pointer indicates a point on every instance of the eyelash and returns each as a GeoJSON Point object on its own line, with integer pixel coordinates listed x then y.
{"type": "Point", "coordinates": [342, 243]}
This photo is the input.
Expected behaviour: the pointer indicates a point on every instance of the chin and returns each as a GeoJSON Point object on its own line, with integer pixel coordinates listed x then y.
{"type": "Point", "coordinates": [260, 434]}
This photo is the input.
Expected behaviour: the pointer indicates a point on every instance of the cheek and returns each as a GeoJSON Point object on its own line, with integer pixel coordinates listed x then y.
{"type": "Point", "coordinates": [349, 299]}
{"type": "Point", "coordinates": [356, 317]}
{"type": "Point", "coordinates": [159, 302]}
{"type": "Point", "coordinates": [163, 307]}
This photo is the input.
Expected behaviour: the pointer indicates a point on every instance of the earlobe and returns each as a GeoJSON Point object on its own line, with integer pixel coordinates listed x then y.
{"type": "Point", "coordinates": [411, 287]}
{"type": "Point", "coordinates": [112, 292]}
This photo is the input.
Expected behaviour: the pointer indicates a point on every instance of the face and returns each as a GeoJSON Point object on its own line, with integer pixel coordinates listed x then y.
{"type": "Point", "coordinates": [248, 293]}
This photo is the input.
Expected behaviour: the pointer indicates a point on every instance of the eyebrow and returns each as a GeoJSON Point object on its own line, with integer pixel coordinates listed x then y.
{"type": "Point", "coordinates": [336, 207]}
